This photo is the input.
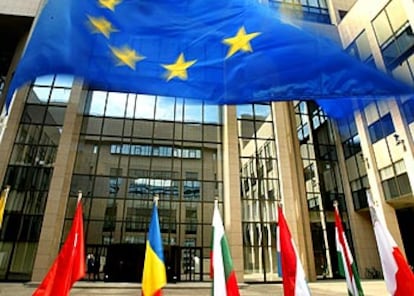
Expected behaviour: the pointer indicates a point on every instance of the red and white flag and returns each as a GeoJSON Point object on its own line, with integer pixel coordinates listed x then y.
{"type": "Point", "coordinates": [221, 267]}
{"type": "Point", "coordinates": [69, 266]}
{"type": "Point", "coordinates": [347, 266]}
{"type": "Point", "coordinates": [398, 276]}
{"type": "Point", "coordinates": [293, 275]}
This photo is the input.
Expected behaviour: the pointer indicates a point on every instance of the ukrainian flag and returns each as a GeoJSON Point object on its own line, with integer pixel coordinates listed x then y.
{"type": "Point", "coordinates": [154, 276]}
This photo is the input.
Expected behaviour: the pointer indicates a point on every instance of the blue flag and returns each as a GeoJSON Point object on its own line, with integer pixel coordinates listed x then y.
{"type": "Point", "coordinates": [221, 52]}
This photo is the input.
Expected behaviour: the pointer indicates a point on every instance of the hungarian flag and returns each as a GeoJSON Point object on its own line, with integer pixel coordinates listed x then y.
{"type": "Point", "coordinates": [398, 276]}
{"type": "Point", "coordinates": [154, 276]}
{"type": "Point", "coordinates": [221, 268]}
{"type": "Point", "coordinates": [69, 266]}
{"type": "Point", "coordinates": [293, 275]}
{"type": "Point", "coordinates": [347, 267]}
{"type": "Point", "coordinates": [3, 201]}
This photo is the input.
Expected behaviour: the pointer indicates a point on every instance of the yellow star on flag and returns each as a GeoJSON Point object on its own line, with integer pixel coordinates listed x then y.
{"type": "Point", "coordinates": [101, 25]}
{"type": "Point", "coordinates": [179, 68]}
{"type": "Point", "coordinates": [126, 56]}
{"type": "Point", "coordinates": [240, 42]}
{"type": "Point", "coordinates": [110, 4]}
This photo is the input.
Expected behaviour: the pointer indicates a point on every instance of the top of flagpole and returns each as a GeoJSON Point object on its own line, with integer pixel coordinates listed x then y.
{"type": "Point", "coordinates": [156, 199]}
{"type": "Point", "coordinates": [79, 195]}
{"type": "Point", "coordinates": [335, 204]}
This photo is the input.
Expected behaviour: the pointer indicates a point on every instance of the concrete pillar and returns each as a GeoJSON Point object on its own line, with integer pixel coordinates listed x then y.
{"type": "Point", "coordinates": [292, 184]}
{"type": "Point", "coordinates": [232, 199]}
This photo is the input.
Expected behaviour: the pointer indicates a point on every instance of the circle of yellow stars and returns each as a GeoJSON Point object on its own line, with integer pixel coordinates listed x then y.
{"type": "Point", "coordinates": [126, 56]}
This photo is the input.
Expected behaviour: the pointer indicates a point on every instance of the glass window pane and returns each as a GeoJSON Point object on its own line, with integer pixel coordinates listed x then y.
{"type": "Point", "coordinates": [211, 114]}
{"type": "Point", "coordinates": [396, 14]}
{"type": "Point", "coordinates": [55, 115]}
{"type": "Point", "coordinates": [97, 103]}
{"type": "Point", "coordinates": [38, 95]}
{"type": "Point", "coordinates": [193, 112]}
{"type": "Point", "coordinates": [44, 80]}
{"type": "Point", "coordinates": [364, 49]}
{"type": "Point", "coordinates": [244, 111]}
{"type": "Point", "coordinates": [60, 95]}
{"type": "Point", "coordinates": [382, 28]}
{"type": "Point", "coordinates": [262, 112]}
{"type": "Point", "coordinates": [165, 108]}
{"type": "Point", "coordinates": [64, 80]}
{"type": "Point", "coordinates": [51, 135]}
{"type": "Point", "coordinates": [115, 106]}
{"type": "Point", "coordinates": [145, 107]}
{"type": "Point", "coordinates": [34, 114]}
{"type": "Point", "coordinates": [130, 106]}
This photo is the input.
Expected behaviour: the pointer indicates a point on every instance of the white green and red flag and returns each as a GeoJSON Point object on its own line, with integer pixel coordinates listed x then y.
{"type": "Point", "coordinates": [221, 264]}
{"type": "Point", "coordinates": [347, 266]}
{"type": "Point", "coordinates": [398, 276]}
{"type": "Point", "coordinates": [293, 275]}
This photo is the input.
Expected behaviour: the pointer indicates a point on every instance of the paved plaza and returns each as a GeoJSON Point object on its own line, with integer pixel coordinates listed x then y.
{"type": "Point", "coordinates": [319, 288]}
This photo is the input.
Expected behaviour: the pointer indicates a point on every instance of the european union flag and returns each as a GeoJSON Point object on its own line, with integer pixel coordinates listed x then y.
{"type": "Point", "coordinates": [225, 52]}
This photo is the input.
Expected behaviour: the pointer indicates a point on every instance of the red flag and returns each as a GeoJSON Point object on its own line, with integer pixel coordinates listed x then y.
{"type": "Point", "coordinates": [398, 276]}
{"type": "Point", "coordinates": [69, 266]}
{"type": "Point", "coordinates": [294, 282]}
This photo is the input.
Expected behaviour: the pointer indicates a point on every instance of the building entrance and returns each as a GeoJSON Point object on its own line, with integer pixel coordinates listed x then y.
{"type": "Point", "coordinates": [125, 263]}
{"type": "Point", "coordinates": [191, 264]}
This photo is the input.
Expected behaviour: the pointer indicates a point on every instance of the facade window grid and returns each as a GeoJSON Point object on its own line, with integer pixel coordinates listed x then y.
{"type": "Point", "coordinates": [381, 128]}
{"type": "Point", "coordinates": [260, 189]}
{"type": "Point", "coordinates": [352, 152]}
{"type": "Point", "coordinates": [178, 186]}
{"type": "Point", "coordinates": [30, 179]}
{"type": "Point", "coordinates": [398, 43]}
{"type": "Point", "coordinates": [315, 11]}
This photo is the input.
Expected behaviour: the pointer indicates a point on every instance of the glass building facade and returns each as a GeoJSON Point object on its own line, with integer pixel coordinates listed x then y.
{"type": "Point", "coordinates": [123, 150]}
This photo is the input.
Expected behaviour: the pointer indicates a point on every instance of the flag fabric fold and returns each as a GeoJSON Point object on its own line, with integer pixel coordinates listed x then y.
{"type": "Point", "coordinates": [293, 275]}
{"type": "Point", "coordinates": [225, 52]}
{"type": "Point", "coordinates": [398, 276]}
{"type": "Point", "coordinates": [3, 200]}
{"type": "Point", "coordinates": [221, 263]}
{"type": "Point", "coordinates": [347, 266]}
{"type": "Point", "coordinates": [154, 276]}
{"type": "Point", "coordinates": [69, 266]}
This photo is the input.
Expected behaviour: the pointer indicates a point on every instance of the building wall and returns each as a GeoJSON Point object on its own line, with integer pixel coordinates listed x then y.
{"type": "Point", "coordinates": [386, 155]}
{"type": "Point", "coordinates": [20, 7]}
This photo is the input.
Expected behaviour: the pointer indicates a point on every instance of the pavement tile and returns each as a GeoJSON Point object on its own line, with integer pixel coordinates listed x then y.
{"type": "Point", "coordinates": [318, 288]}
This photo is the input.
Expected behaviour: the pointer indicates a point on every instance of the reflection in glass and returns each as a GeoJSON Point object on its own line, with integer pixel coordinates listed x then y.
{"type": "Point", "coordinates": [116, 104]}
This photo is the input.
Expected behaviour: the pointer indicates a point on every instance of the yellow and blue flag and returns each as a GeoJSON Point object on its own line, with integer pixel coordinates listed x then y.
{"type": "Point", "coordinates": [154, 276]}
{"type": "Point", "coordinates": [3, 200]}
{"type": "Point", "coordinates": [224, 52]}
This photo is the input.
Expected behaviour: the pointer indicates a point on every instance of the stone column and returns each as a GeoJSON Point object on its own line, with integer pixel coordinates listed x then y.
{"type": "Point", "coordinates": [231, 180]}
{"type": "Point", "coordinates": [293, 185]}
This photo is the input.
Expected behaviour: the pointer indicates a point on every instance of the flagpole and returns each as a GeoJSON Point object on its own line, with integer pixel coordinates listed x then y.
{"type": "Point", "coordinates": [79, 196]}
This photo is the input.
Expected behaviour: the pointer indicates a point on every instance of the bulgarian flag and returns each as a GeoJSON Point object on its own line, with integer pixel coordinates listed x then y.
{"type": "Point", "coordinates": [221, 267]}
{"type": "Point", "coordinates": [398, 276]}
{"type": "Point", "coordinates": [293, 275]}
{"type": "Point", "coordinates": [347, 267]}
